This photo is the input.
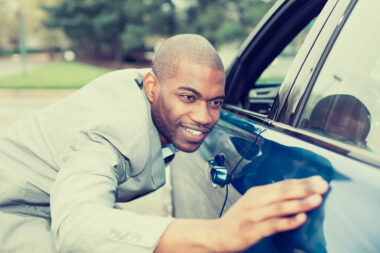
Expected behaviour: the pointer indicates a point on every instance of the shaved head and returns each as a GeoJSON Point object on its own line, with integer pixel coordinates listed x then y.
{"type": "Point", "coordinates": [191, 48]}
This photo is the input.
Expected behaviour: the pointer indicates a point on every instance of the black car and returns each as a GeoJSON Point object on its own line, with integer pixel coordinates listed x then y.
{"type": "Point", "coordinates": [302, 99]}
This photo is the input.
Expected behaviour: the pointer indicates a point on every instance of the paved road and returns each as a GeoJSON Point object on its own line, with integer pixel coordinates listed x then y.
{"type": "Point", "coordinates": [15, 104]}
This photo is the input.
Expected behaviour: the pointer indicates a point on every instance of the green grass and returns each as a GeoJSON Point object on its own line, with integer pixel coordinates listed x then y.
{"type": "Point", "coordinates": [56, 75]}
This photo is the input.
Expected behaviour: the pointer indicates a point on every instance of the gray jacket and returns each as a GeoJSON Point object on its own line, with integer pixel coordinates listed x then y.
{"type": "Point", "coordinates": [72, 160]}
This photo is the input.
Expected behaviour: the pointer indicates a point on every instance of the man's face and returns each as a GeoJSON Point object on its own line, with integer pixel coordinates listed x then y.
{"type": "Point", "coordinates": [186, 107]}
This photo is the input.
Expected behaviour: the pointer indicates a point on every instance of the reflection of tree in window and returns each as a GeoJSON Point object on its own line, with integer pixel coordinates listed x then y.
{"type": "Point", "coordinates": [341, 117]}
{"type": "Point", "coordinates": [276, 71]}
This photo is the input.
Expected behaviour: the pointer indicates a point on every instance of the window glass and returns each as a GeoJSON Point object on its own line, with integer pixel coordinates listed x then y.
{"type": "Point", "coordinates": [275, 73]}
{"type": "Point", "coordinates": [261, 97]}
{"type": "Point", "coordinates": [345, 101]}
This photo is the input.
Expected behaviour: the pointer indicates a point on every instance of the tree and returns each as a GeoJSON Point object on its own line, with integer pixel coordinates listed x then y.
{"type": "Point", "coordinates": [223, 21]}
{"type": "Point", "coordinates": [89, 24]}
{"type": "Point", "coordinates": [9, 35]}
{"type": "Point", "coordinates": [102, 28]}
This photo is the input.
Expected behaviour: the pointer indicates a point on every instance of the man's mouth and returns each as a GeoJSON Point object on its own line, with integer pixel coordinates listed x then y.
{"type": "Point", "coordinates": [194, 132]}
{"type": "Point", "coordinates": [192, 135]}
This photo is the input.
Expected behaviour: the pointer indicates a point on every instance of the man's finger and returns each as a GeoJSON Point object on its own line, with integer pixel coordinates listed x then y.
{"type": "Point", "coordinates": [286, 190]}
{"type": "Point", "coordinates": [275, 225]}
{"type": "Point", "coordinates": [285, 208]}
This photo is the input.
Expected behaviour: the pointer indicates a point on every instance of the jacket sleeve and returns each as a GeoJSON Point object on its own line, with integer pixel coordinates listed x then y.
{"type": "Point", "coordinates": [84, 218]}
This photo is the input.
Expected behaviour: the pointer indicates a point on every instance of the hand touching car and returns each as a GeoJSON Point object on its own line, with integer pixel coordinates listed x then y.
{"type": "Point", "coordinates": [262, 211]}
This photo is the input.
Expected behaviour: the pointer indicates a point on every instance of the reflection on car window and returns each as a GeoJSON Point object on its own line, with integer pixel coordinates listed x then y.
{"type": "Point", "coordinates": [342, 117]}
{"type": "Point", "coordinates": [345, 101]}
{"type": "Point", "coordinates": [261, 97]}
{"type": "Point", "coordinates": [276, 71]}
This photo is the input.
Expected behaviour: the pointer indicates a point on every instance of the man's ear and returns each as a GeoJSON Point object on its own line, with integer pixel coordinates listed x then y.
{"type": "Point", "coordinates": [150, 86]}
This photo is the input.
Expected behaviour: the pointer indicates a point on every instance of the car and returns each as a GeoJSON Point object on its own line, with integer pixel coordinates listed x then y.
{"type": "Point", "coordinates": [302, 99]}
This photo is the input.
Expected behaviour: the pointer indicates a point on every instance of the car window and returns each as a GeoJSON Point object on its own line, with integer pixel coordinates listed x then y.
{"type": "Point", "coordinates": [261, 97]}
{"type": "Point", "coordinates": [275, 73]}
{"type": "Point", "coordinates": [345, 101]}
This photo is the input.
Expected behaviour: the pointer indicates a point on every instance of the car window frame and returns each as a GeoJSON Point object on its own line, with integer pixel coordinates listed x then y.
{"type": "Point", "coordinates": [306, 94]}
{"type": "Point", "coordinates": [236, 86]}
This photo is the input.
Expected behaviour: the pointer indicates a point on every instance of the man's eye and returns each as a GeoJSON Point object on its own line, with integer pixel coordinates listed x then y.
{"type": "Point", "coordinates": [188, 98]}
{"type": "Point", "coordinates": [216, 103]}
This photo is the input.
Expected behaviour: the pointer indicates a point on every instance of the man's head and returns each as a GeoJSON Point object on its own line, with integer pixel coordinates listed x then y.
{"type": "Point", "coordinates": [186, 90]}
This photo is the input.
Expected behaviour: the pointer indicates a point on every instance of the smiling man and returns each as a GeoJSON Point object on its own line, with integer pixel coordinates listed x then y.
{"type": "Point", "coordinates": [186, 92]}
{"type": "Point", "coordinates": [63, 168]}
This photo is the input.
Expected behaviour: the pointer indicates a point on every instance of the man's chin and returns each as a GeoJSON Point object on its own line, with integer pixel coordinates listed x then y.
{"type": "Point", "coordinates": [188, 147]}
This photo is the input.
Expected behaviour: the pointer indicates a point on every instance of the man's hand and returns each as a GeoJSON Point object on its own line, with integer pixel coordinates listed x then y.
{"type": "Point", "coordinates": [265, 210]}
{"type": "Point", "coordinates": [262, 211]}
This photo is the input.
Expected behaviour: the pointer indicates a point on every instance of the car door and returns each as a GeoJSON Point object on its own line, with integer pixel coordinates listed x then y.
{"type": "Point", "coordinates": [329, 127]}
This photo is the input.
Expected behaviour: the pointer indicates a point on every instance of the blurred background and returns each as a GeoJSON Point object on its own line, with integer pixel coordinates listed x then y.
{"type": "Point", "coordinates": [112, 34]}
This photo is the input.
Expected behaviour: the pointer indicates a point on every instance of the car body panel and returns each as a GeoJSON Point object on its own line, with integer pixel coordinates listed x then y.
{"type": "Point", "coordinates": [284, 157]}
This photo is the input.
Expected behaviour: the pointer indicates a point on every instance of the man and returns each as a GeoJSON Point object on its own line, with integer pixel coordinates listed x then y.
{"type": "Point", "coordinates": [63, 168]}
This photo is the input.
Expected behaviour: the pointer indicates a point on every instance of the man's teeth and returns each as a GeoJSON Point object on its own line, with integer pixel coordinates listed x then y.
{"type": "Point", "coordinates": [195, 132]}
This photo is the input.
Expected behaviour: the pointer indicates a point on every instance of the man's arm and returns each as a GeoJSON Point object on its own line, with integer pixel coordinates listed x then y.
{"type": "Point", "coordinates": [84, 218]}
{"type": "Point", "coordinates": [262, 211]}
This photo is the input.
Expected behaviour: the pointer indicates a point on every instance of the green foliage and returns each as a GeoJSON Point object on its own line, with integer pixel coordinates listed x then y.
{"type": "Point", "coordinates": [224, 21]}
{"type": "Point", "coordinates": [9, 29]}
{"type": "Point", "coordinates": [134, 38]}
{"type": "Point", "coordinates": [109, 28]}
{"type": "Point", "coordinates": [118, 27]}
{"type": "Point", "coordinates": [65, 75]}
{"type": "Point", "coordinates": [229, 31]}
{"type": "Point", "coordinates": [89, 24]}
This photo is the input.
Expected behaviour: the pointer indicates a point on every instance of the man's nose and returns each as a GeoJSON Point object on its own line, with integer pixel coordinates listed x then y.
{"type": "Point", "coordinates": [201, 114]}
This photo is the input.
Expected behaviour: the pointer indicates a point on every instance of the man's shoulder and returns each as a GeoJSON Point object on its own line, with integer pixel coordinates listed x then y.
{"type": "Point", "coordinates": [123, 75]}
{"type": "Point", "coordinates": [120, 91]}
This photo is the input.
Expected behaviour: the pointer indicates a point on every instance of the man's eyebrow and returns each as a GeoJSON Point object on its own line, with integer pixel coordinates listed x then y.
{"type": "Point", "coordinates": [191, 90]}
{"type": "Point", "coordinates": [197, 93]}
{"type": "Point", "coordinates": [218, 97]}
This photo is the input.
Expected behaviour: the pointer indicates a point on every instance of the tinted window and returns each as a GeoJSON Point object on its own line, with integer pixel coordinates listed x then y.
{"type": "Point", "coordinates": [345, 101]}
{"type": "Point", "coordinates": [276, 71]}
{"type": "Point", "coordinates": [260, 98]}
